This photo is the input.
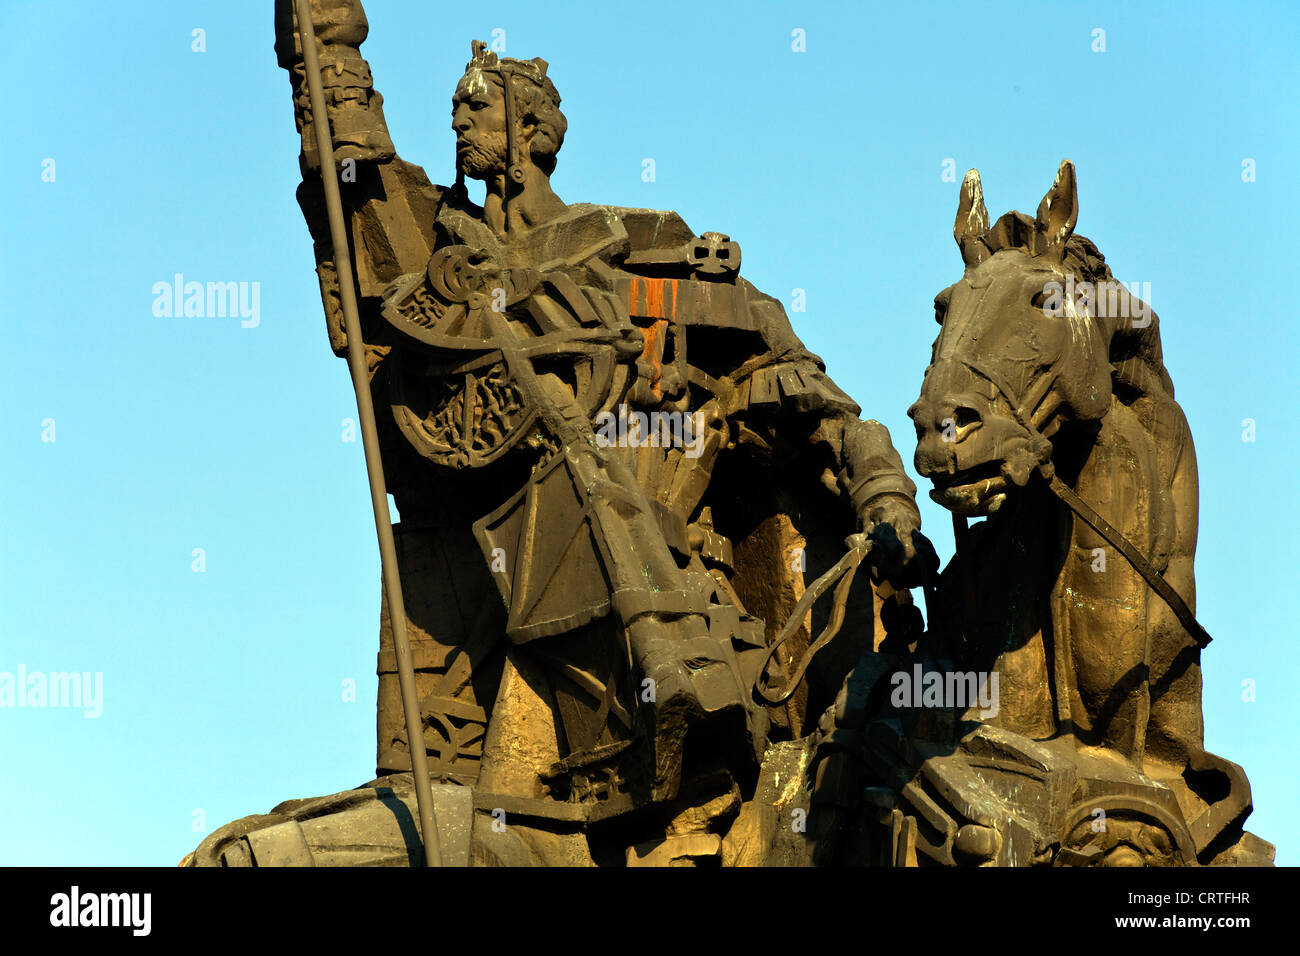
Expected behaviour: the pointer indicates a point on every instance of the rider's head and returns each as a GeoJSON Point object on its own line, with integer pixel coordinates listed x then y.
{"type": "Point", "coordinates": [505, 112]}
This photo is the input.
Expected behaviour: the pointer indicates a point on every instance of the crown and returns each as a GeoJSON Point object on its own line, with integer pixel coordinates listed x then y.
{"type": "Point", "coordinates": [484, 60]}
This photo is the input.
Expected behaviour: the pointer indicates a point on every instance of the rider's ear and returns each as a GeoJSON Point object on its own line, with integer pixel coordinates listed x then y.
{"type": "Point", "coordinates": [972, 221]}
{"type": "Point", "coordinates": [1057, 213]}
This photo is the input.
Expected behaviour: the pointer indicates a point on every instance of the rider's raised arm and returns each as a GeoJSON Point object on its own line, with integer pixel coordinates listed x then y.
{"type": "Point", "coordinates": [356, 109]}
{"type": "Point", "coordinates": [389, 203]}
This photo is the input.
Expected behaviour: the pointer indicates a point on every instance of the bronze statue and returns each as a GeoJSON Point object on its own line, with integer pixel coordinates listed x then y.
{"type": "Point", "coordinates": [613, 460]}
{"type": "Point", "coordinates": [626, 489]}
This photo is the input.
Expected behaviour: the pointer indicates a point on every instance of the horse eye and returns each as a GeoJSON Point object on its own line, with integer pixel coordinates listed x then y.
{"type": "Point", "coordinates": [1040, 299]}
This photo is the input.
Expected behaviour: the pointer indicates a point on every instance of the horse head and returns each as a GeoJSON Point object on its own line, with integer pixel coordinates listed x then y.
{"type": "Point", "coordinates": [1016, 357]}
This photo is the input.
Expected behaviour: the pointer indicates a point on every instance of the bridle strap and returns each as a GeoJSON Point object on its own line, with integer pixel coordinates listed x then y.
{"type": "Point", "coordinates": [997, 382]}
{"type": "Point", "coordinates": [1140, 564]}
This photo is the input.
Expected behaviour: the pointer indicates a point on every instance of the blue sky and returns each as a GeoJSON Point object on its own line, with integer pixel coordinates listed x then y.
{"type": "Point", "coordinates": [222, 690]}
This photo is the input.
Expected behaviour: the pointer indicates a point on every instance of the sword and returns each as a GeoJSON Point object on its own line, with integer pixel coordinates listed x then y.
{"type": "Point", "coordinates": [369, 437]}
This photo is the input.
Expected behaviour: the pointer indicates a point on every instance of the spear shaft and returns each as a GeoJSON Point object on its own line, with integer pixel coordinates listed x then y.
{"type": "Point", "coordinates": [369, 436]}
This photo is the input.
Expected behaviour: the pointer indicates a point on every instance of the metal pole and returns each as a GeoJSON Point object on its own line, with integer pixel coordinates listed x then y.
{"type": "Point", "coordinates": [369, 437]}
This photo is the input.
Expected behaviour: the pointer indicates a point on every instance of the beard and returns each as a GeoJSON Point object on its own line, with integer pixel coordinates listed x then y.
{"type": "Point", "coordinates": [484, 157]}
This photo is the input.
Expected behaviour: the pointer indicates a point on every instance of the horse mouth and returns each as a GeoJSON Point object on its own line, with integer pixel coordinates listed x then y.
{"type": "Point", "coordinates": [971, 493]}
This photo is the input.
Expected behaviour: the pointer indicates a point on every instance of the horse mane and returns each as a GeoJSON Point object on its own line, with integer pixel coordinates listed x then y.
{"type": "Point", "coordinates": [1135, 353]}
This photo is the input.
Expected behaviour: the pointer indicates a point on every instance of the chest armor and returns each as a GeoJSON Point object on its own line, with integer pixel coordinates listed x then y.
{"type": "Point", "coordinates": [452, 391]}
{"type": "Point", "coordinates": [602, 298]}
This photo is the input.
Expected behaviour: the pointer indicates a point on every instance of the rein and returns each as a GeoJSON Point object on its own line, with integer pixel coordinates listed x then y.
{"type": "Point", "coordinates": [1125, 547]}
{"type": "Point", "coordinates": [841, 575]}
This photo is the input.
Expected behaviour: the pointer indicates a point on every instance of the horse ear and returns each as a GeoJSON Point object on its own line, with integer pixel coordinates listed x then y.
{"type": "Point", "coordinates": [972, 220]}
{"type": "Point", "coordinates": [1058, 212]}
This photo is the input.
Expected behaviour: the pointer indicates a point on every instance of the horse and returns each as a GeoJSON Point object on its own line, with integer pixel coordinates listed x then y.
{"type": "Point", "coordinates": [1047, 410]}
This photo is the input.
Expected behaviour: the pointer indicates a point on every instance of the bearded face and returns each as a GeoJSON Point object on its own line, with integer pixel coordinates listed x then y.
{"type": "Point", "coordinates": [479, 119]}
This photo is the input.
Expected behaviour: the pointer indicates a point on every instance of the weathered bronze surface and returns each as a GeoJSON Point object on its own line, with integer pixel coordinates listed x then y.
{"type": "Point", "coordinates": [626, 490]}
